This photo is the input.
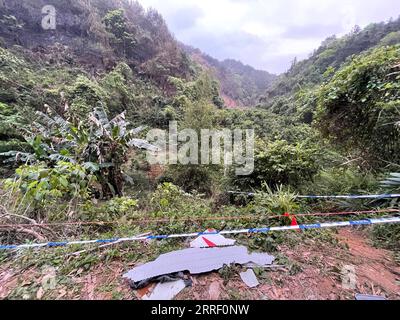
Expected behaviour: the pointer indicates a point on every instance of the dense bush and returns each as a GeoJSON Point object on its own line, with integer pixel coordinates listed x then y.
{"type": "Point", "coordinates": [358, 108]}
{"type": "Point", "coordinates": [341, 181]}
{"type": "Point", "coordinates": [193, 178]}
{"type": "Point", "coordinates": [117, 86]}
{"type": "Point", "coordinates": [82, 96]}
{"type": "Point", "coordinates": [280, 162]}
{"type": "Point", "coordinates": [171, 201]}
{"type": "Point", "coordinates": [39, 184]}
{"type": "Point", "coordinates": [117, 209]}
{"type": "Point", "coordinates": [387, 236]}
{"type": "Point", "coordinates": [391, 39]}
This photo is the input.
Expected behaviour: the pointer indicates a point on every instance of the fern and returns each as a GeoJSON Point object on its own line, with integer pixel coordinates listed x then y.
{"type": "Point", "coordinates": [58, 157]}
{"type": "Point", "coordinates": [392, 182]}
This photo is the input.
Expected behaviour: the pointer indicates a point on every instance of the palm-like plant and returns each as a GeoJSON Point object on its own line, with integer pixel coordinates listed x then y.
{"type": "Point", "coordinates": [99, 144]}
{"type": "Point", "coordinates": [392, 182]}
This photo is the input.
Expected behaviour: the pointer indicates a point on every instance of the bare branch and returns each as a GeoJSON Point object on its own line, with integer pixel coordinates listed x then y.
{"type": "Point", "coordinates": [26, 231]}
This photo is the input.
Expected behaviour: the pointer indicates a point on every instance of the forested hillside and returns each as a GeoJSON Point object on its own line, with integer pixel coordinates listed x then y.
{"type": "Point", "coordinates": [104, 51]}
{"type": "Point", "coordinates": [332, 53]}
{"type": "Point", "coordinates": [98, 34]}
{"type": "Point", "coordinates": [348, 89]}
{"type": "Point", "coordinates": [241, 85]}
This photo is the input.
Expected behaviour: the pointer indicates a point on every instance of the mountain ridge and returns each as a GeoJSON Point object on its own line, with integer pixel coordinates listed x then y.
{"type": "Point", "coordinates": [142, 39]}
{"type": "Point", "coordinates": [241, 84]}
{"type": "Point", "coordinates": [331, 55]}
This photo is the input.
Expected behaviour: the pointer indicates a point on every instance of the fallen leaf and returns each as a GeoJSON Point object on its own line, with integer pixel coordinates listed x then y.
{"type": "Point", "coordinates": [40, 293]}
{"type": "Point", "coordinates": [214, 291]}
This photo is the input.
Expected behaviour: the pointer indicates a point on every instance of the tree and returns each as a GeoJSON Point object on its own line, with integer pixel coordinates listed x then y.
{"type": "Point", "coordinates": [281, 163]}
{"type": "Point", "coordinates": [117, 25]}
{"type": "Point", "coordinates": [96, 143]}
{"type": "Point", "coordinates": [359, 107]}
{"type": "Point", "coordinates": [391, 39]}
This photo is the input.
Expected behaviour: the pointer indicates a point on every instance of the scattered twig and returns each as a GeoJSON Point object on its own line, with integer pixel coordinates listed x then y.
{"type": "Point", "coordinates": [27, 231]}
{"type": "Point", "coordinates": [5, 213]}
{"type": "Point", "coordinates": [373, 288]}
{"type": "Point", "coordinates": [393, 73]}
{"type": "Point", "coordinates": [350, 161]}
{"type": "Point", "coordinates": [389, 163]}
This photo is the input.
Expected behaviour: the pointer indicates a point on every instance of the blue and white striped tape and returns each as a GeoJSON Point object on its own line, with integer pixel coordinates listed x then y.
{"type": "Point", "coordinates": [193, 235]}
{"type": "Point", "coordinates": [371, 196]}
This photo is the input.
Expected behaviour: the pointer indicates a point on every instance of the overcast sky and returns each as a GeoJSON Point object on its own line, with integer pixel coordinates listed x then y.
{"type": "Point", "coordinates": [267, 34]}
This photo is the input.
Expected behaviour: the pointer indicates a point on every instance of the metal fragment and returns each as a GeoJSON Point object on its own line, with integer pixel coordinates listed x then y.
{"type": "Point", "coordinates": [249, 278]}
{"type": "Point", "coordinates": [196, 261]}
{"type": "Point", "coordinates": [166, 290]}
{"type": "Point", "coordinates": [211, 241]}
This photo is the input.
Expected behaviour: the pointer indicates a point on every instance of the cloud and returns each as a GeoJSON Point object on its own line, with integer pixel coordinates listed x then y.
{"type": "Point", "coordinates": [185, 18]}
{"type": "Point", "coordinates": [267, 34]}
{"type": "Point", "coordinates": [312, 31]}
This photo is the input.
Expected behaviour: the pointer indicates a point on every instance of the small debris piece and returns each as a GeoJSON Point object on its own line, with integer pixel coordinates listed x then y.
{"type": "Point", "coordinates": [166, 290]}
{"type": "Point", "coordinates": [40, 293]}
{"type": "Point", "coordinates": [249, 278]}
{"type": "Point", "coordinates": [196, 261]}
{"type": "Point", "coordinates": [214, 291]}
{"type": "Point", "coordinates": [369, 297]}
{"type": "Point", "coordinates": [211, 241]}
{"type": "Point", "coordinates": [140, 293]}
{"type": "Point", "coordinates": [164, 278]}
{"type": "Point", "coordinates": [143, 144]}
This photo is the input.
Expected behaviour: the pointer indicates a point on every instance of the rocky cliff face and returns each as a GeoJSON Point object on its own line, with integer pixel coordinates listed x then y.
{"type": "Point", "coordinates": [59, 29]}
{"type": "Point", "coordinates": [139, 37]}
{"type": "Point", "coordinates": [22, 21]}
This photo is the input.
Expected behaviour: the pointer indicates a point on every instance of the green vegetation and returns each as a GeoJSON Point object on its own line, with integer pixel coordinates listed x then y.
{"type": "Point", "coordinates": [359, 106]}
{"type": "Point", "coordinates": [330, 56]}
{"type": "Point", "coordinates": [281, 163]}
{"type": "Point", "coordinates": [241, 85]}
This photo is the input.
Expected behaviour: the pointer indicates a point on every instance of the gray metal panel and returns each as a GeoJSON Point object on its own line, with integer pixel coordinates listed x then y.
{"type": "Point", "coordinates": [197, 261]}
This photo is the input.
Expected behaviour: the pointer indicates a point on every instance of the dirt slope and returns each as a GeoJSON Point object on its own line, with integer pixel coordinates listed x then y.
{"type": "Point", "coordinates": [311, 272]}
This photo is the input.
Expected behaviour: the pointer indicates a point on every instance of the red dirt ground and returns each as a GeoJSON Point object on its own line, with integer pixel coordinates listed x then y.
{"type": "Point", "coordinates": [320, 275]}
{"type": "Point", "coordinates": [316, 276]}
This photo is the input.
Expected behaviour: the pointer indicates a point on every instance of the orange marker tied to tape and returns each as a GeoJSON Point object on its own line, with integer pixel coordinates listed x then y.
{"type": "Point", "coordinates": [292, 219]}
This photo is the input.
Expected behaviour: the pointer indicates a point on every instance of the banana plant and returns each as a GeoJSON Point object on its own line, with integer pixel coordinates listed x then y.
{"type": "Point", "coordinates": [392, 182]}
{"type": "Point", "coordinates": [99, 144]}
